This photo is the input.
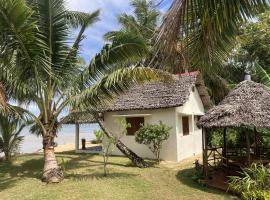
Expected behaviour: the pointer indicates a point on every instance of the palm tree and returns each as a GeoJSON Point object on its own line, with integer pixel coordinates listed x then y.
{"type": "Point", "coordinates": [2, 96]}
{"type": "Point", "coordinates": [203, 32]}
{"type": "Point", "coordinates": [10, 139]}
{"type": "Point", "coordinates": [41, 66]}
{"type": "Point", "coordinates": [142, 24]}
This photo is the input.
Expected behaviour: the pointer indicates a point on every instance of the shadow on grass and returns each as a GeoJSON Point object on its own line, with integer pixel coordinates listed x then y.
{"type": "Point", "coordinates": [10, 173]}
{"type": "Point", "coordinates": [185, 177]}
{"type": "Point", "coordinates": [30, 166]}
{"type": "Point", "coordinates": [99, 176]}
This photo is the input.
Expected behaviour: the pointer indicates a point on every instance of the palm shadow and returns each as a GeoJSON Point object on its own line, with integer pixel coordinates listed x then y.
{"type": "Point", "coordinates": [99, 176]}
{"type": "Point", "coordinates": [11, 173]}
{"type": "Point", "coordinates": [31, 167]}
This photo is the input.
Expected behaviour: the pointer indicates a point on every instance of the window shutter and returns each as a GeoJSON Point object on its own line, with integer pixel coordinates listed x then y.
{"type": "Point", "coordinates": [136, 123]}
{"type": "Point", "coordinates": [185, 125]}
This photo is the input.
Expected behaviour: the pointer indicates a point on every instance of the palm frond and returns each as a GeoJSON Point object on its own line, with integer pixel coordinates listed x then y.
{"type": "Point", "coordinates": [263, 76]}
{"type": "Point", "coordinates": [78, 19]}
{"type": "Point", "coordinates": [3, 98]}
{"type": "Point", "coordinates": [213, 24]}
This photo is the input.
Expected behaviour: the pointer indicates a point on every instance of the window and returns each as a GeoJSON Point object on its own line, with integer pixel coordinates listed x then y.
{"type": "Point", "coordinates": [185, 125]}
{"type": "Point", "coordinates": [135, 123]}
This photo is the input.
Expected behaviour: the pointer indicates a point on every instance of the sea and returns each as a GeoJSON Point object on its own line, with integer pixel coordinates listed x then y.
{"type": "Point", "coordinates": [66, 135]}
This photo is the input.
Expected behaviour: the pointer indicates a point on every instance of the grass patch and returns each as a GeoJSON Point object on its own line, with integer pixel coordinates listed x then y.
{"type": "Point", "coordinates": [84, 180]}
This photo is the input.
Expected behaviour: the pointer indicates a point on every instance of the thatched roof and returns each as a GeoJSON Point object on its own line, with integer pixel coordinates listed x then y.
{"type": "Point", "coordinates": [78, 117]}
{"type": "Point", "coordinates": [248, 105]}
{"type": "Point", "coordinates": [152, 95]}
{"type": "Point", "coordinates": [155, 95]}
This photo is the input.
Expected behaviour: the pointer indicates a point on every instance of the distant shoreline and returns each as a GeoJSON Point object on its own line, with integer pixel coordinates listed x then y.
{"type": "Point", "coordinates": [66, 137]}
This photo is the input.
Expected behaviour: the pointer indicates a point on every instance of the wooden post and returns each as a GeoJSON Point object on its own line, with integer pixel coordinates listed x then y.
{"type": "Point", "coordinates": [224, 147]}
{"type": "Point", "coordinates": [205, 159]}
{"type": "Point", "coordinates": [77, 137]}
{"type": "Point", "coordinates": [248, 147]}
{"type": "Point", "coordinates": [256, 150]}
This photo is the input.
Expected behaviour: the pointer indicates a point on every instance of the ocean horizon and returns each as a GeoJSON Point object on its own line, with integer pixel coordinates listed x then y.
{"type": "Point", "coordinates": [66, 135]}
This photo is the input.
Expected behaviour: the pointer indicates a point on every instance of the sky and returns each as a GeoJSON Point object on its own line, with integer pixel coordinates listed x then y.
{"type": "Point", "coordinates": [109, 9]}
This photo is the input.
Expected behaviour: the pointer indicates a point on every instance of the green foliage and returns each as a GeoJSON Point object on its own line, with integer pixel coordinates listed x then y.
{"type": "Point", "coordinates": [254, 39]}
{"type": "Point", "coordinates": [198, 176]}
{"type": "Point", "coordinates": [265, 136]}
{"type": "Point", "coordinates": [10, 138]}
{"type": "Point", "coordinates": [153, 135]}
{"type": "Point", "coordinates": [216, 138]}
{"type": "Point", "coordinates": [122, 122]}
{"type": "Point", "coordinates": [263, 75]}
{"type": "Point", "coordinates": [256, 195]}
{"type": "Point", "coordinates": [254, 182]}
{"type": "Point", "coordinates": [252, 47]}
{"type": "Point", "coordinates": [99, 136]}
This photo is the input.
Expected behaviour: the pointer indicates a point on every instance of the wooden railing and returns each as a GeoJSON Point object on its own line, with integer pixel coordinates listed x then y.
{"type": "Point", "coordinates": [235, 157]}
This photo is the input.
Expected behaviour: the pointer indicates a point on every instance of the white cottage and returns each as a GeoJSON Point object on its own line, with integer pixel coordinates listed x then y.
{"type": "Point", "coordinates": [178, 103]}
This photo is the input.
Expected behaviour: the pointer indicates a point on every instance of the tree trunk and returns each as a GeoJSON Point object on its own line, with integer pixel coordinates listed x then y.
{"type": "Point", "coordinates": [7, 155]}
{"type": "Point", "coordinates": [52, 173]}
{"type": "Point", "coordinates": [135, 159]}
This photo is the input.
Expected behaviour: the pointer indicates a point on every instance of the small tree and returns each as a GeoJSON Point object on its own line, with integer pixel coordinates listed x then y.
{"type": "Point", "coordinates": [10, 138]}
{"type": "Point", "coordinates": [153, 135]}
{"type": "Point", "coordinates": [109, 143]}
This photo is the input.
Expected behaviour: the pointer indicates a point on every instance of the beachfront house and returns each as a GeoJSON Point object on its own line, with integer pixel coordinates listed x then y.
{"type": "Point", "coordinates": [178, 103]}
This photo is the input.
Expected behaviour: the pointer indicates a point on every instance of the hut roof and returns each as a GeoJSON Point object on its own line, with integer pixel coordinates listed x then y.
{"type": "Point", "coordinates": [155, 95]}
{"type": "Point", "coordinates": [151, 95]}
{"type": "Point", "coordinates": [78, 117]}
{"type": "Point", "coordinates": [248, 105]}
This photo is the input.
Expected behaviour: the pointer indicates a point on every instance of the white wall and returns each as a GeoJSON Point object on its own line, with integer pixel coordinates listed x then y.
{"type": "Point", "coordinates": [191, 144]}
{"type": "Point", "coordinates": [167, 116]}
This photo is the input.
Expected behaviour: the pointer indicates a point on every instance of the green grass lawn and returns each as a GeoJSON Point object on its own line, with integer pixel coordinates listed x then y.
{"type": "Point", "coordinates": [84, 180]}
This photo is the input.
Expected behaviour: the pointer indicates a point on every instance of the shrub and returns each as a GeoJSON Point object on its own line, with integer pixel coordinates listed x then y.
{"type": "Point", "coordinates": [254, 183]}
{"type": "Point", "coordinates": [99, 136]}
{"type": "Point", "coordinates": [153, 135]}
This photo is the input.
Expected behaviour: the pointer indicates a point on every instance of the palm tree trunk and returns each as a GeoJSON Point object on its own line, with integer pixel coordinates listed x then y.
{"type": "Point", "coordinates": [135, 159]}
{"type": "Point", "coordinates": [52, 173]}
{"type": "Point", "coordinates": [7, 155]}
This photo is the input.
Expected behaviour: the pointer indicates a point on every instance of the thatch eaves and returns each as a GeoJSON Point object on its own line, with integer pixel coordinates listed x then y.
{"type": "Point", "coordinates": [78, 117]}
{"type": "Point", "coordinates": [248, 105]}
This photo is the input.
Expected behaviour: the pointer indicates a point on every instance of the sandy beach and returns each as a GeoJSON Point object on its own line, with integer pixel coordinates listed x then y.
{"type": "Point", "coordinates": [69, 147]}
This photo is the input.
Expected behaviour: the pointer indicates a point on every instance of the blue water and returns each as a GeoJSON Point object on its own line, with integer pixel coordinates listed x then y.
{"type": "Point", "coordinates": [66, 135]}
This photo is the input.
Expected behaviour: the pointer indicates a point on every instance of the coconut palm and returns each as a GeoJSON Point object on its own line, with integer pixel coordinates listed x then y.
{"type": "Point", "coordinates": [41, 65]}
{"type": "Point", "coordinates": [142, 23]}
{"type": "Point", "coordinates": [10, 138]}
{"type": "Point", "coordinates": [202, 31]}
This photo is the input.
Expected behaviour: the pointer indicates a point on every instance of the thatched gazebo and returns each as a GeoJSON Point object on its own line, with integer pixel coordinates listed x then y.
{"type": "Point", "coordinates": [78, 118]}
{"type": "Point", "coordinates": [245, 109]}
